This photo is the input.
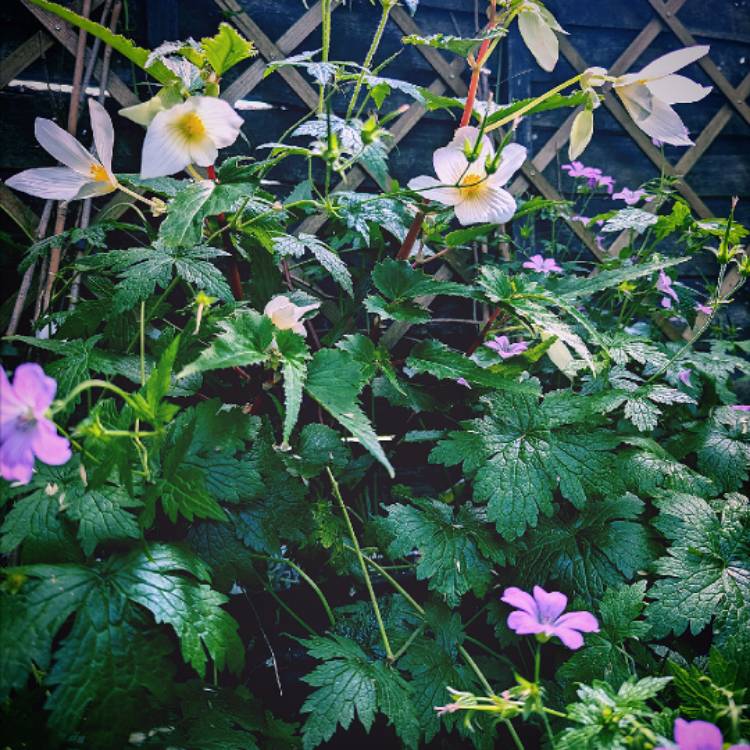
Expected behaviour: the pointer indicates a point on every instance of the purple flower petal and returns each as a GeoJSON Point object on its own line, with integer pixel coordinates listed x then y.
{"type": "Point", "coordinates": [49, 447]}
{"type": "Point", "coordinates": [697, 735]}
{"type": "Point", "coordinates": [525, 624]}
{"type": "Point", "coordinates": [570, 638]}
{"type": "Point", "coordinates": [520, 600]}
{"type": "Point", "coordinates": [16, 458]}
{"type": "Point", "coordinates": [551, 604]}
{"type": "Point", "coordinates": [580, 620]}
{"type": "Point", "coordinates": [704, 309]}
{"type": "Point", "coordinates": [33, 387]}
{"type": "Point", "coordinates": [684, 377]}
{"type": "Point", "coordinates": [741, 407]}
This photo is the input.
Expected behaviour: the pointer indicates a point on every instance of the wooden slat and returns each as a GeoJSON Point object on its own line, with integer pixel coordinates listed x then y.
{"type": "Point", "coordinates": [437, 61]}
{"type": "Point", "coordinates": [708, 65]}
{"type": "Point", "coordinates": [270, 51]}
{"type": "Point", "coordinates": [21, 57]}
{"type": "Point", "coordinates": [62, 32]}
{"type": "Point", "coordinates": [288, 41]}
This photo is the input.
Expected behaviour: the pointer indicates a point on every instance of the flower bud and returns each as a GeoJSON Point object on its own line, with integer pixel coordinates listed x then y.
{"type": "Point", "coordinates": [726, 252]}
{"type": "Point", "coordinates": [744, 266]}
{"type": "Point", "coordinates": [158, 207]}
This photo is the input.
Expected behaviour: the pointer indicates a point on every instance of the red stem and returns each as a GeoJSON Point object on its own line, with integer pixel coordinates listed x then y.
{"type": "Point", "coordinates": [473, 84]}
{"type": "Point", "coordinates": [411, 236]}
{"type": "Point", "coordinates": [235, 282]}
{"type": "Point", "coordinates": [475, 345]}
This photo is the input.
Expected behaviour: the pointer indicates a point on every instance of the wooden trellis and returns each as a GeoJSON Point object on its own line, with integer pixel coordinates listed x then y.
{"type": "Point", "coordinates": [448, 80]}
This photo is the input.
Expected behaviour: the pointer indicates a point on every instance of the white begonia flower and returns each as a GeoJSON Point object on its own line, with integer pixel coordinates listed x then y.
{"type": "Point", "coordinates": [476, 194]}
{"type": "Point", "coordinates": [144, 113]}
{"type": "Point", "coordinates": [83, 176]}
{"type": "Point", "coordinates": [188, 133]}
{"type": "Point", "coordinates": [647, 95]}
{"type": "Point", "coordinates": [538, 26]}
{"type": "Point", "coordinates": [580, 133]}
{"type": "Point", "coordinates": [285, 315]}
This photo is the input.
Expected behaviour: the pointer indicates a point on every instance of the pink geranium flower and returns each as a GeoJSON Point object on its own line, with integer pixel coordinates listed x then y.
{"type": "Point", "coordinates": [700, 735]}
{"type": "Point", "coordinates": [542, 265]}
{"type": "Point", "coordinates": [542, 615]}
{"type": "Point", "coordinates": [25, 431]}
{"type": "Point", "coordinates": [631, 197]}
{"type": "Point", "coordinates": [502, 346]}
{"type": "Point", "coordinates": [577, 169]}
{"type": "Point", "coordinates": [741, 407]}
{"type": "Point", "coordinates": [664, 285]}
{"type": "Point", "coordinates": [684, 377]}
{"type": "Point", "coordinates": [705, 309]}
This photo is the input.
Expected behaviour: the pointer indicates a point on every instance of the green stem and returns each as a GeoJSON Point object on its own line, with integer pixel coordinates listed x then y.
{"type": "Point", "coordinates": [540, 707]}
{"type": "Point", "coordinates": [86, 385]}
{"type": "Point", "coordinates": [284, 605]}
{"type": "Point", "coordinates": [477, 671]}
{"type": "Point", "coordinates": [512, 731]}
{"type": "Point", "coordinates": [519, 112]}
{"type": "Point", "coordinates": [387, 5]}
{"type": "Point", "coordinates": [363, 565]}
{"type": "Point", "coordinates": [325, 22]}
{"type": "Point", "coordinates": [162, 297]}
{"type": "Point", "coordinates": [413, 637]}
{"type": "Point", "coordinates": [310, 581]}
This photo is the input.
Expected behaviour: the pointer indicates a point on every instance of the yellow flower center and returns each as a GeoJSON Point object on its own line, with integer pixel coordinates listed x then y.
{"type": "Point", "coordinates": [191, 127]}
{"type": "Point", "coordinates": [471, 186]}
{"type": "Point", "coordinates": [99, 173]}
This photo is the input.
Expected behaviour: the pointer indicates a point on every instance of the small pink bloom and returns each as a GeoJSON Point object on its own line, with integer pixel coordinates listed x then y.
{"type": "Point", "coordinates": [502, 346]}
{"type": "Point", "coordinates": [542, 614]}
{"type": "Point", "coordinates": [464, 382]}
{"type": "Point", "coordinates": [582, 219]}
{"type": "Point", "coordinates": [700, 735]}
{"type": "Point", "coordinates": [449, 708]}
{"type": "Point", "coordinates": [684, 377]}
{"type": "Point", "coordinates": [542, 265]}
{"type": "Point", "coordinates": [605, 181]}
{"type": "Point", "coordinates": [631, 197]}
{"type": "Point", "coordinates": [25, 431]}
{"type": "Point", "coordinates": [576, 169]}
{"type": "Point", "coordinates": [664, 285]}
{"type": "Point", "coordinates": [705, 309]}
{"type": "Point", "coordinates": [741, 407]}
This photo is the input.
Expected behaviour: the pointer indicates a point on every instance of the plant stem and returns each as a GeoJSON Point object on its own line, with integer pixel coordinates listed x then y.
{"type": "Point", "coordinates": [310, 581]}
{"type": "Point", "coordinates": [363, 565]}
{"type": "Point", "coordinates": [540, 707]}
{"type": "Point", "coordinates": [387, 5]}
{"type": "Point", "coordinates": [162, 297]}
{"type": "Point", "coordinates": [519, 112]}
{"type": "Point", "coordinates": [477, 671]}
{"type": "Point", "coordinates": [512, 731]}
{"type": "Point", "coordinates": [413, 637]}
{"type": "Point", "coordinates": [325, 22]}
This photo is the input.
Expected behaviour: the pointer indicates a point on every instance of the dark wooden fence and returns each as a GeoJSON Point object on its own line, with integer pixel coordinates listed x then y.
{"type": "Point", "coordinates": [36, 58]}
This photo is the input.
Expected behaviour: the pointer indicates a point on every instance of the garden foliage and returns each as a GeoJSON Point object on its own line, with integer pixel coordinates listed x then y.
{"type": "Point", "coordinates": [295, 494]}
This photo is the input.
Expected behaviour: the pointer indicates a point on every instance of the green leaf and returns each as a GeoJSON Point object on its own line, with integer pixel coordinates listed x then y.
{"type": "Point", "coordinates": [577, 287]}
{"type": "Point", "coordinates": [294, 355]}
{"type": "Point", "coordinates": [48, 595]}
{"type": "Point", "coordinates": [602, 545]}
{"type": "Point", "coordinates": [334, 380]}
{"type": "Point", "coordinates": [227, 48]}
{"type": "Point", "coordinates": [522, 452]}
{"type": "Point", "coordinates": [152, 579]}
{"type": "Point", "coordinates": [348, 683]}
{"type": "Point", "coordinates": [706, 572]}
{"type": "Point", "coordinates": [457, 551]}
{"type": "Point", "coordinates": [287, 245]}
{"type": "Point", "coordinates": [439, 360]}
{"type": "Point", "coordinates": [724, 449]}
{"type": "Point", "coordinates": [122, 44]}
{"type": "Point", "coordinates": [101, 515]}
{"type": "Point", "coordinates": [244, 340]}
{"type": "Point", "coordinates": [460, 46]}
{"type": "Point", "coordinates": [604, 654]}
{"type": "Point", "coordinates": [107, 668]}
{"type": "Point", "coordinates": [183, 226]}
{"type": "Point", "coordinates": [397, 280]}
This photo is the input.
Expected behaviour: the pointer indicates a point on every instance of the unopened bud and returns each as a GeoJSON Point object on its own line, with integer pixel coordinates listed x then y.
{"type": "Point", "coordinates": [470, 151]}
{"type": "Point", "coordinates": [735, 201]}
{"type": "Point", "coordinates": [744, 266]}
{"type": "Point", "coordinates": [726, 252]}
{"type": "Point", "coordinates": [158, 207]}
{"type": "Point", "coordinates": [277, 206]}
{"type": "Point", "coordinates": [492, 165]}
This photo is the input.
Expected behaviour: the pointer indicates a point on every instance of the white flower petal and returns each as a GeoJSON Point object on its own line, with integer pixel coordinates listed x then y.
{"type": "Point", "coordinates": [165, 151]}
{"type": "Point", "coordinates": [203, 152]}
{"type": "Point", "coordinates": [94, 189]}
{"type": "Point", "coordinates": [433, 190]}
{"type": "Point", "coordinates": [61, 144]}
{"type": "Point", "coordinates": [450, 164]}
{"type": "Point", "coordinates": [221, 121]}
{"type": "Point", "coordinates": [672, 62]}
{"type": "Point", "coordinates": [580, 133]}
{"type": "Point", "coordinates": [637, 99]}
{"type": "Point", "coordinates": [57, 183]}
{"type": "Point", "coordinates": [513, 157]}
{"type": "Point", "coordinates": [490, 206]}
{"type": "Point", "coordinates": [675, 89]}
{"type": "Point", "coordinates": [104, 134]}
{"type": "Point", "coordinates": [665, 125]}
{"type": "Point", "coordinates": [470, 133]}
{"type": "Point", "coordinates": [539, 38]}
